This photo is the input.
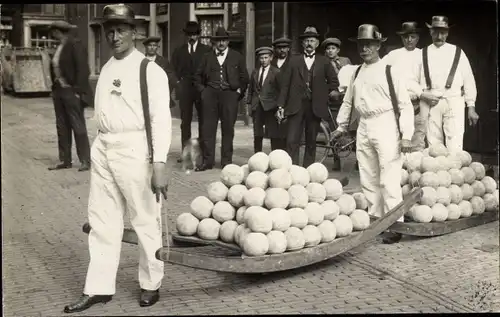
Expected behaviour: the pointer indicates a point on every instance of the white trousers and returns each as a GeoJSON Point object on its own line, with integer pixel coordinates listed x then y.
{"type": "Point", "coordinates": [445, 122]}
{"type": "Point", "coordinates": [120, 181]}
{"type": "Point", "coordinates": [418, 138]}
{"type": "Point", "coordinates": [380, 162]}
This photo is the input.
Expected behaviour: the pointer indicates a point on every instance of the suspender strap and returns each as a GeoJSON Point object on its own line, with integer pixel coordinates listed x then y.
{"type": "Point", "coordinates": [352, 102]}
{"type": "Point", "coordinates": [145, 106]}
{"type": "Point", "coordinates": [454, 67]}
{"type": "Point", "coordinates": [392, 92]}
{"type": "Point", "coordinates": [425, 60]}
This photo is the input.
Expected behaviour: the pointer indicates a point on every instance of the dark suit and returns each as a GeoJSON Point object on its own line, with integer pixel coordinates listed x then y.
{"type": "Point", "coordinates": [263, 104]}
{"type": "Point", "coordinates": [284, 66]}
{"type": "Point", "coordinates": [185, 65]}
{"type": "Point", "coordinates": [69, 108]}
{"type": "Point", "coordinates": [220, 101]}
{"type": "Point", "coordinates": [306, 106]}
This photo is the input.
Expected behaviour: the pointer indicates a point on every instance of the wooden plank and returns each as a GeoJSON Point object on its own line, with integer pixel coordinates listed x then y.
{"type": "Point", "coordinates": [433, 229]}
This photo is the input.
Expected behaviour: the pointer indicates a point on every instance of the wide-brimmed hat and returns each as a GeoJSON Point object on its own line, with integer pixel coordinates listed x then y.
{"type": "Point", "coordinates": [264, 50]}
{"type": "Point", "coordinates": [282, 41]}
{"type": "Point", "coordinates": [61, 25]}
{"type": "Point", "coordinates": [310, 32]}
{"type": "Point", "coordinates": [118, 13]}
{"type": "Point", "coordinates": [408, 28]}
{"type": "Point", "coordinates": [220, 34]}
{"type": "Point", "coordinates": [192, 27]}
{"type": "Point", "coordinates": [368, 32]}
{"type": "Point", "coordinates": [439, 22]}
{"type": "Point", "coordinates": [331, 41]}
{"type": "Point", "coordinates": [151, 39]}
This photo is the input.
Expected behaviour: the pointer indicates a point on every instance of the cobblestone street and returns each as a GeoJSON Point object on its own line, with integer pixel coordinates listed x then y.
{"type": "Point", "coordinates": [45, 253]}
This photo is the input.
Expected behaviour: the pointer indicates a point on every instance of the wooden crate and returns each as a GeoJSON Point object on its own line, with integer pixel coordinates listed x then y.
{"type": "Point", "coordinates": [31, 68]}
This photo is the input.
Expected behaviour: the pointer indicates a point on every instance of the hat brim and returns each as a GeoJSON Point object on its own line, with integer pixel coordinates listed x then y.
{"type": "Point", "coordinates": [325, 44]}
{"type": "Point", "coordinates": [355, 39]}
{"type": "Point", "coordinates": [429, 26]}
{"type": "Point", "coordinates": [304, 36]}
{"type": "Point", "coordinates": [191, 31]}
{"type": "Point", "coordinates": [219, 38]}
{"type": "Point", "coordinates": [409, 32]}
{"type": "Point", "coordinates": [119, 21]}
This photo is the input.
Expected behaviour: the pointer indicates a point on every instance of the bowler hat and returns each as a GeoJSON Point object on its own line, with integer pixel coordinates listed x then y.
{"type": "Point", "coordinates": [220, 34]}
{"type": "Point", "coordinates": [151, 39]}
{"type": "Point", "coordinates": [331, 41]}
{"type": "Point", "coordinates": [408, 27]}
{"type": "Point", "coordinates": [118, 13]}
{"type": "Point", "coordinates": [192, 27]}
{"type": "Point", "coordinates": [264, 50]}
{"type": "Point", "coordinates": [309, 32]}
{"type": "Point", "coordinates": [438, 22]}
{"type": "Point", "coordinates": [368, 32]}
{"type": "Point", "coordinates": [61, 25]}
{"type": "Point", "coordinates": [282, 41]}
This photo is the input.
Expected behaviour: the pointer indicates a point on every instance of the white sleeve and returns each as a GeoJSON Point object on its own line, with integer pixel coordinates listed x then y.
{"type": "Point", "coordinates": [406, 118]}
{"type": "Point", "coordinates": [159, 107]}
{"type": "Point", "coordinates": [470, 91]}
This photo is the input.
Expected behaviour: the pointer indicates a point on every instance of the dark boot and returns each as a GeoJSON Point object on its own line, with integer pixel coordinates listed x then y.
{"type": "Point", "coordinates": [336, 163]}
{"type": "Point", "coordinates": [60, 166]}
{"type": "Point", "coordinates": [148, 298]}
{"type": "Point", "coordinates": [257, 144]}
{"type": "Point", "coordinates": [85, 302]}
{"type": "Point", "coordinates": [85, 166]}
{"type": "Point", "coordinates": [392, 237]}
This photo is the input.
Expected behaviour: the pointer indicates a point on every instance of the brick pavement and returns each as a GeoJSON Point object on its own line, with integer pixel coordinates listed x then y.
{"type": "Point", "coordinates": [45, 253]}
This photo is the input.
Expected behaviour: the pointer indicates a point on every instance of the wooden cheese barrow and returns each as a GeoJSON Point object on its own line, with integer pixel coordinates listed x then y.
{"type": "Point", "coordinates": [225, 257]}
{"type": "Point", "coordinates": [433, 229]}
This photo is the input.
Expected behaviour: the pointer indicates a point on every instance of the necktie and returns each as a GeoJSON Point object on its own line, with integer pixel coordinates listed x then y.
{"type": "Point", "coordinates": [261, 78]}
{"type": "Point", "coordinates": [191, 49]}
{"type": "Point", "coordinates": [220, 54]}
{"type": "Point", "coordinates": [309, 56]}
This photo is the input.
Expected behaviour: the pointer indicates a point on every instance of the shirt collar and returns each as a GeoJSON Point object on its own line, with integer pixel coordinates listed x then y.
{"type": "Point", "coordinates": [223, 52]}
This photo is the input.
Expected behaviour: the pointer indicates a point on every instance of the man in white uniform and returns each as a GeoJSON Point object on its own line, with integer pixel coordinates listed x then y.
{"type": "Point", "coordinates": [378, 141]}
{"type": "Point", "coordinates": [444, 96]}
{"type": "Point", "coordinates": [123, 180]}
{"type": "Point", "coordinates": [404, 60]}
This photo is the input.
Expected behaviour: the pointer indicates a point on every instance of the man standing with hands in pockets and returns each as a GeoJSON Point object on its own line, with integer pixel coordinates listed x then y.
{"type": "Point", "coordinates": [122, 177]}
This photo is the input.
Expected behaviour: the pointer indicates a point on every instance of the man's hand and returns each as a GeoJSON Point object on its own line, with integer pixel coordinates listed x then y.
{"type": "Point", "coordinates": [336, 134]}
{"type": "Point", "coordinates": [159, 183]}
{"type": "Point", "coordinates": [280, 114]}
{"type": "Point", "coordinates": [473, 116]}
{"type": "Point", "coordinates": [429, 98]}
{"type": "Point", "coordinates": [405, 146]}
{"type": "Point", "coordinates": [335, 95]}
{"type": "Point", "coordinates": [238, 91]}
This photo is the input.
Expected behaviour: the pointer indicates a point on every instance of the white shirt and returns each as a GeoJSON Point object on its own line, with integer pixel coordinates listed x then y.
{"type": "Point", "coordinates": [266, 71]}
{"type": "Point", "coordinates": [309, 61]}
{"type": "Point", "coordinates": [194, 47]}
{"type": "Point", "coordinates": [440, 62]}
{"type": "Point", "coordinates": [404, 62]}
{"type": "Point", "coordinates": [119, 109]}
{"type": "Point", "coordinates": [280, 62]}
{"type": "Point", "coordinates": [152, 58]}
{"type": "Point", "coordinates": [371, 97]}
{"type": "Point", "coordinates": [222, 58]}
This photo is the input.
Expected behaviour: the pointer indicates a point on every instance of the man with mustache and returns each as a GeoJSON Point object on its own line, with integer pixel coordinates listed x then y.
{"type": "Point", "coordinates": [125, 176]}
{"type": "Point", "coordinates": [221, 79]}
{"type": "Point", "coordinates": [306, 85]}
{"type": "Point", "coordinates": [382, 134]}
{"type": "Point", "coordinates": [448, 85]}
{"type": "Point", "coordinates": [331, 46]}
{"type": "Point", "coordinates": [186, 59]}
{"type": "Point", "coordinates": [404, 60]}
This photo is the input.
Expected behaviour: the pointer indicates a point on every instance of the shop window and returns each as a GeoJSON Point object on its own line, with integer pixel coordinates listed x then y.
{"type": "Point", "coordinates": [40, 37]}
{"type": "Point", "coordinates": [209, 5]}
{"type": "Point", "coordinates": [53, 9]}
{"type": "Point", "coordinates": [208, 25]}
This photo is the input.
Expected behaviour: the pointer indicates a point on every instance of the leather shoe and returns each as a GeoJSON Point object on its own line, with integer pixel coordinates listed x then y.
{"type": "Point", "coordinates": [203, 167]}
{"type": "Point", "coordinates": [84, 167]}
{"type": "Point", "coordinates": [179, 160]}
{"type": "Point", "coordinates": [149, 298]}
{"type": "Point", "coordinates": [392, 237]}
{"type": "Point", "coordinates": [222, 165]}
{"type": "Point", "coordinates": [86, 302]}
{"type": "Point", "coordinates": [60, 166]}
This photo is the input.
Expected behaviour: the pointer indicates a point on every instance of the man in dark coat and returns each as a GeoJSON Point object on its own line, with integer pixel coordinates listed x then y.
{"type": "Point", "coordinates": [306, 85]}
{"type": "Point", "coordinates": [331, 46]}
{"type": "Point", "coordinates": [263, 94]}
{"type": "Point", "coordinates": [71, 93]}
{"type": "Point", "coordinates": [185, 60]}
{"type": "Point", "coordinates": [222, 79]}
{"type": "Point", "coordinates": [151, 52]}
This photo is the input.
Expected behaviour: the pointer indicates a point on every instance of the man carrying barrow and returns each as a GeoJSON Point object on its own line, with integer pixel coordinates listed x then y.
{"type": "Point", "coordinates": [382, 134]}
